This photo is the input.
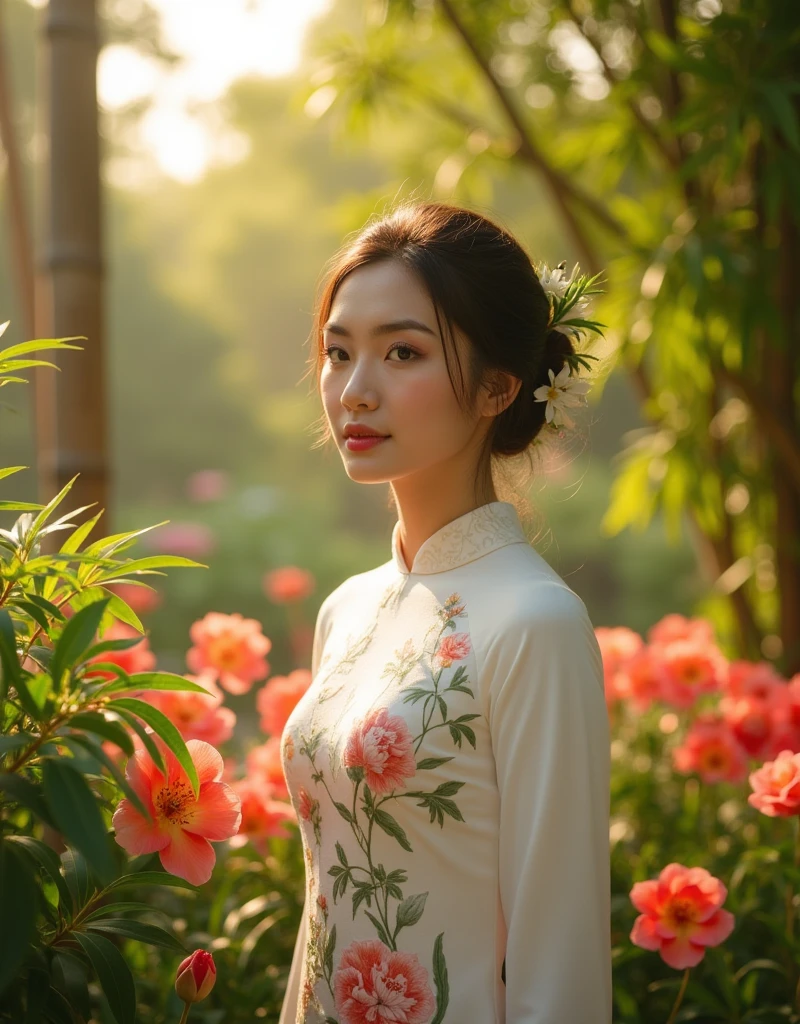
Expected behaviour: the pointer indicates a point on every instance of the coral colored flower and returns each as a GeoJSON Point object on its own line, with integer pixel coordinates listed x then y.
{"type": "Point", "coordinates": [263, 818]}
{"type": "Point", "coordinates": [288, 584]}
{"type": "Point", "coordinates": [690, 668]}
{"type": "Point", "coordinates": [752, 721]}
{"type": "Point", "coordinates": [277, 699]}
{"type": "Point", "coordinates": [639, 678]}
{"type": "Point", "coordinates": [375, 985]}
{"type": "Point", "coordinates": [776, 786]}
{"type": "Point", "coordinates": [711, 750]}
{"type": "Point", "coordinates": [184, 826]}
{"type": "Point", "coordinates": [234, 647]}
{"type": "Point", "coordinates": [453, 648]}
{"type": "Point", "coordinates": [680, 914]}
{"type": "Point", "coordinates": [142, 599]}
{"type": "Point", "coordinates": [264, 765]}
{"type": "Point", "coordinates": [618, 645]}
{"type": "Point", "coordinates": [382, 745]}
{"type": "Point", "coordinates": [677, 627]}
{"type": "Point", "coordinates": [138, 658]}
{"type": "Point", "coordinates": [192, 540]}
{"type": "Point", "coordinates": [196, 716]}
{"type": "Point", "coordinates": [195, 976]}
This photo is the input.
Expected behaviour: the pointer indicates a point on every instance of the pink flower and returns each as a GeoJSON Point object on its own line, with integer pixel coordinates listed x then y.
{"type": "Point", "coordinates": [184, 826]}
{"type": "Point", "coordinates": [232, 646]}
{"type": "Point", "coordinates": [639, 678]}
{"type": "Point", "coordinates": [142, 599]}
{"type": "Point", "coordinates": [264, 765]}
{"type": "Point", "coordinates": [207, 485]}
{"type": "Point", "coordinates": [263, 818]}
{"type": "Point", "coordinates": [776, 786]}
{"type": "Point", "coordinates": [288, 584]}
{"type": "Point", "coordinates": [375, 985]}
{"type": "Point", "coordinates": [711, 750]}
{"type": "Point", "coordinates": [690, 668]}
{"type": "Point", "coordinates": [680, 914]}
{"type": "Point", "coordinates": [277, 699]}
{"type": "Point", "coordinates": [676, 627]}
{"type": "Point", "coordinates": [382, 745]}
{"type": "Point", "coordinates": [453, 648]}
{"type": "Point", "coordinates": [195, 976]}
{"type": "Point", "coordinates": [192, 540]}
{"type": "Point", "coordinates": [197, 717]}
{"type": "Point", "coordinates": [138, 658]}
{"type": "Point", "coordinates": [306, 804]}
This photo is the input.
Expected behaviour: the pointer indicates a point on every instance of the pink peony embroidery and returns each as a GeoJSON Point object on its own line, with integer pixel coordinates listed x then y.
{"type": "Point", "coordinates": [374, 985]}
{"type": "Point", "coordinates": [382, 745]}
{"type": "Point", "coordinates": [453, 648]}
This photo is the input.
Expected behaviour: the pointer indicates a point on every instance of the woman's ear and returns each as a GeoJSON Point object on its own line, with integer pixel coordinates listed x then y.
{"type": "Point", "coordinates": [499, 392]}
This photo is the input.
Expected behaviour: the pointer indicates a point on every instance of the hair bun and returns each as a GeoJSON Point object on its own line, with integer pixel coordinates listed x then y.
{"type": "Point", "coordinates": [557, 346]}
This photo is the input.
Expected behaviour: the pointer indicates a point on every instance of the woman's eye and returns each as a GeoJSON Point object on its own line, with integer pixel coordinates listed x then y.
{"type": "Point", "coordinates": [329, 351]}
{"type": "Point", "coordinates": [405, 348]}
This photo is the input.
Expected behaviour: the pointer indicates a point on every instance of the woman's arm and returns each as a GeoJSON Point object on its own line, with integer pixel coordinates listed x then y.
{"type": "Point", "coordinates": [549, 729]}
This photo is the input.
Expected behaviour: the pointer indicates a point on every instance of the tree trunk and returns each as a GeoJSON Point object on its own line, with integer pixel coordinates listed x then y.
{"type": "Point", "coordinates": [71, 404]}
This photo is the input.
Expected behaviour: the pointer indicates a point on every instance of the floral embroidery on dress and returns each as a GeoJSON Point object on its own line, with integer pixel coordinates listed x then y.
{"type": "Point", "coordinates": [374, 981]}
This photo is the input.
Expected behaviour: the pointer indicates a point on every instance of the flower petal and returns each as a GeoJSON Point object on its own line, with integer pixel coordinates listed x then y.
{"type": "Point", "coordinates": [217, 815]}
{"type": "Point", "coordinates": [134, 833]}
{"type": "Point", "coordinates": [644, 934]}
{"type": "Point", "coordinates": [715, 930]}
{"type": "Point", "coordinates": [681, 953]}
{"type": "Point", "coordinates": [188, 856]}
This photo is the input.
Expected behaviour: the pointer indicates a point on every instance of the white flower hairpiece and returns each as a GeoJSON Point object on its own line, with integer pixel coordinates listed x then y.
{"type": "Point", "coordinates": [568, 298]}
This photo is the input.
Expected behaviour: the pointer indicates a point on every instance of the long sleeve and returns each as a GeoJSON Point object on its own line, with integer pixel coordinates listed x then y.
{"type": "Point", "coordinates": [550, 738]}
{"type": "Point", "coordinates": [291, 996]}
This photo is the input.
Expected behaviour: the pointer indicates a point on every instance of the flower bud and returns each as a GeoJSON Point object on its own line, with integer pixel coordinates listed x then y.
{"type": "Point", "coordinates": [196, 976]}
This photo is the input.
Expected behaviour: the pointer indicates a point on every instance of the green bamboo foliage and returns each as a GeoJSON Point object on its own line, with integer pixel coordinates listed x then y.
{"type": "Point", "coordinates": [60, 914]}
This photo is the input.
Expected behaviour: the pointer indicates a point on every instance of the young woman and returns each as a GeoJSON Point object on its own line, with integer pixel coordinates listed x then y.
{"type": "Point", "coordinates": [449, 763]}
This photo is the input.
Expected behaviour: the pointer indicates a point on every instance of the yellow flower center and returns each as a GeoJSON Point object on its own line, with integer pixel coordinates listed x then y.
{"type": "Point", "coordinates": [173, 803]}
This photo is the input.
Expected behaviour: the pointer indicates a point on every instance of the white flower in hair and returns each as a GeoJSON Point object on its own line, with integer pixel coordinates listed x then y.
{"type": "Point", "coordinates": [553, 281]}
{"type": "Point", "coordinates": [563, 392]}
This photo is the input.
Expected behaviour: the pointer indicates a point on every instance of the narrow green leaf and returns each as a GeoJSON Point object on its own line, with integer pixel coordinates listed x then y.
{"type": "Point", "coordinates": [153, 681]}
{"type": "Point", "coordinates": [10, 672]}
{"type": "Point", "coordinates": [46, 857]}
{"type": "Point", "coordinates": [100, 755]}
{"type": "Point", "coordinates": [150, 878]}
{"type": "Point", "coordinates": [120, 907]}
{"type": "Point", "coordinates": [27, 794]}
{"type": "Point", "coordinates": [79, 535]}
{"type": "Point", "coordinates": [152, 934]}
{"type": "Point", "coordinates": [75, 809]}
{"type": "Point", "coordinates": [76, 637]}
{"type": "Point", "coordinates": [113, 974]}
{"type": "Point", "coordinates": [17, 911]}
{"type": "Point", "coordinates": [79, 881]}
{"type": "Point", "coordinates": [94, 721]}
{"type": "Point", "coordinates": [168, 732]}
{"type": "Point", "coordinates": [15, 741]}
{"type": "Point", "coordinates": [146, 738]}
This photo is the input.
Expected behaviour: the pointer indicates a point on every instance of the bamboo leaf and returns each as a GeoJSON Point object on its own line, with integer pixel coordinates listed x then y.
{"type": "Point", "coordinates": [113, 974]}
{"type": "Point", "coordinates": [152, 934]}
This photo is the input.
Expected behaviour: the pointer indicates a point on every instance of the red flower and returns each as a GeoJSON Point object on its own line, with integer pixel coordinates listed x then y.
{"type": "Point", "coordinates": [197, 717]}
{"type": "Point", "coordinates": [264, 765]}
{"type": "Point", "coordinates": [681, 914]}
{"type": "Point", "coordinates": [375, 985]}
{"type": "Point", "coordinates": [263, 818]}
{"type": "Point", "coordinates": [195, 976]}
{"type": "Point", "coordinates": [382, 745]}
{"type": "Point", "coordinates": [690, 668]}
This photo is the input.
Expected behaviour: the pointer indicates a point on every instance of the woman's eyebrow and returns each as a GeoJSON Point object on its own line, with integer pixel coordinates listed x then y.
{"type": "Point", "coordinates": [390, 328]}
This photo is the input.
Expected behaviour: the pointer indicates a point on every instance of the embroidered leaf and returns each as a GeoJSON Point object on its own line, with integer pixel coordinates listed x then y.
{"type": "Point", "coordinates": [440, 980]}
{"type": "Point", "coordinates": [460, 688]}
{"type": "Point", "coordinates": [341, 854]}
{"type": "Point", "coordinates": [392, 828]}
{"type": "Point", "coordinates": [340, 885]}
{"type": "Point", "coordinates": [458, 675]}
{"type": "Point", "coordinates": [380, 929]}
{"type": "Point", "coordinates": [437, 803]}
{"type": "Point", "coordinates": [363, 892]}
{"type": "Point", "coordinates": [456, 734]}
{"type": "Point", "coordinates": [432, 762]}
{"type": "Point", "coordinates": [414, 694]}
{"type": "Point", "coordinates": [448, 788]}
{"type": "Point", "coordinates": [345, 813]}
{"type": "Point", "coordinates": [398, 875]}
{"type": "Point", "coordinates": [443, 706]}
{"type": "Point", "coordinates": [410, 910]}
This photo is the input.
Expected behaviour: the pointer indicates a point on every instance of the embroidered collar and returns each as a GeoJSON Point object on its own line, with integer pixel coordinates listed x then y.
{"type": "Point", "coordinates": [464, 539]}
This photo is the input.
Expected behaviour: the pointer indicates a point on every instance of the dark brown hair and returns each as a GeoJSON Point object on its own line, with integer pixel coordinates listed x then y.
{"type": "Point", "coordinates": [481, 281]}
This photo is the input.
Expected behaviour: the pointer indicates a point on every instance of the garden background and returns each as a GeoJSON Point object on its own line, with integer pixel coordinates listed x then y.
{"type": "Point", "coordinates": [656, 142]}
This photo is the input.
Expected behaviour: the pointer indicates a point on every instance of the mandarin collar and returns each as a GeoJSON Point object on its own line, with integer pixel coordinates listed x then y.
{"type": "Point", "coordinates": [464, 539]}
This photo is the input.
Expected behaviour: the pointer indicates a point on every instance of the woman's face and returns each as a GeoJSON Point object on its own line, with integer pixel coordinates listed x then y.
{"type": "Point", "coordinates": [392, 378]}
